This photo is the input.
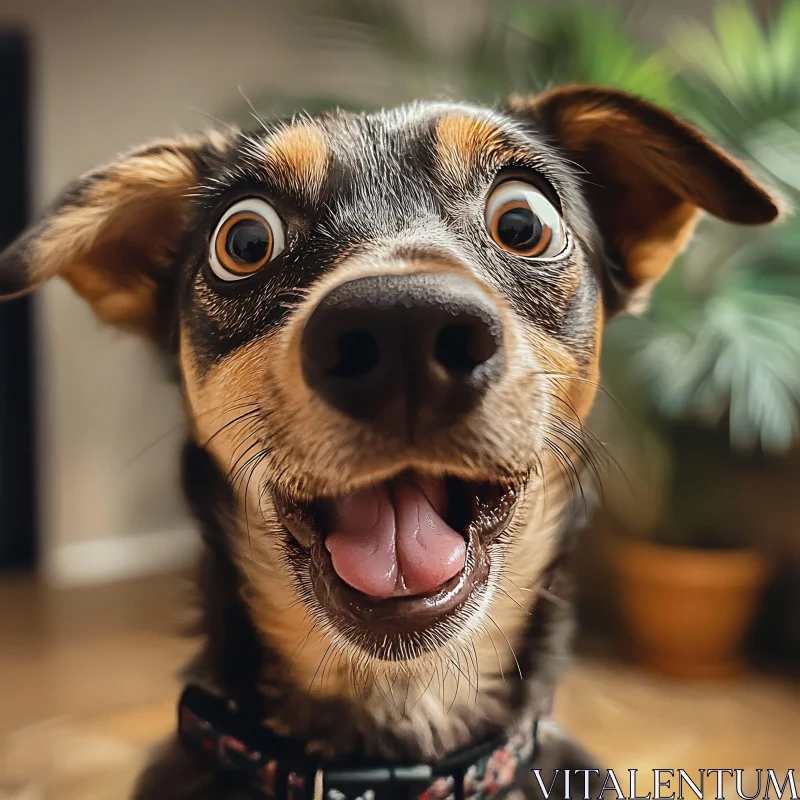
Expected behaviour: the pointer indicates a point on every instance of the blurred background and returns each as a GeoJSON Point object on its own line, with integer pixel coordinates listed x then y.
{"type": "Point", "coordinates": [689, 603]}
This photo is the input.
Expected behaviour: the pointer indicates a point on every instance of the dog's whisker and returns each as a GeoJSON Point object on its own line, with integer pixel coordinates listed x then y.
{"type": "Point", "coordinates": [330, 667]}
{"type": "Point", "coordinates": [594, 384]}
{"type": "Point", "coordinates": [634, 428]}
{"type": "Point", "coordinates": [237, 472]}
{"type": "Point", "coordinates": [513, 600]}
{"type": "Point", "coordinates": [593, 454]}
{"type": "Point", "coordinates": [561, 462]}
{"type": "Point", "coordinates": [455, 660]}
{"type": "Point", "coordinates": [248, 441]}
{"type": "Point", "coordinates": [554, 598]}
{"type": "Point", "coordinates": [244, 401]}
{"type": "Point", "coordinates": [394, 681]}
{"type": "Point", "coordinates": [381, 691]}
{"type": "Point", "coordinates": [179, 427]}
{"type": "Point", "coordinates": [476, 667]}
{"type": "Point", "coordinates": [253, 111]}
{"type": "Point", "coordinates": [252, 414]}
{"type": "Point", "coordinates": [301, 646]}
{"type": "Point", "coordinates": [506, 576]}
{"type": "Point", "coordinates": [576, 424]}
{"type": "Point", "coordinates": [207, 115]}
{"type": "Point", "coordinates": [571, 470]}
{"type": "Point", "coordinates": [572, 439]}
{"type": "Point", "coordinates": [321, 661]}
{"type": "Point", "coordinates": [511, 649]}
{"type": "Point", "coordinates": [457, 677]}
{"type": "Point", "coordinates": [408, 680]}
{"type": "Point", "coordinates": [238, 468]}
{"type": "Point", "coordinates": [297, 602]}
{"type": "Point", "coordinates": [489, 636]}
{"type": "Point", "coordinates": [425, 690]}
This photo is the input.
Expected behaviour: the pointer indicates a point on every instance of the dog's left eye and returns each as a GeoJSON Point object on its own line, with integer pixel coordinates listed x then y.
{"type": "Point", "coordinates": [248, 236]}
{"type": "Point", "coordinates": [523, 221]}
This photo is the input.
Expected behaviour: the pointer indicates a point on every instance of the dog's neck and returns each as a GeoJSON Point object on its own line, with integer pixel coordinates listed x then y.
{"type": "Point", "coordinates": [301, 686]}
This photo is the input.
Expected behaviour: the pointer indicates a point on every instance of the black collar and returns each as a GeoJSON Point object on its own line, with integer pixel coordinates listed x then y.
{"type": "Point", "coordinates": [274, 767]}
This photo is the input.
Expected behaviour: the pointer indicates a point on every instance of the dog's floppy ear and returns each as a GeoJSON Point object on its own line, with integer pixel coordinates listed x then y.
{"type": "Point", "coordinates": [113, 233]}
{"type": "Point", "coordinates": [647, 174]}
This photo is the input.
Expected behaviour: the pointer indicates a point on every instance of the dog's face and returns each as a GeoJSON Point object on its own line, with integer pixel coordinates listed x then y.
{"type": "Point", "coordinates": [388, 328]}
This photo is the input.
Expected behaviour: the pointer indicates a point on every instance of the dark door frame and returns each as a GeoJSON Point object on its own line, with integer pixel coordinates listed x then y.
{"type": "Point", "coordinates": [18, 539]}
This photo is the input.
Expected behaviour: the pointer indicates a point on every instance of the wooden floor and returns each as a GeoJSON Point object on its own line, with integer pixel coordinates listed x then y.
{"type": "Point", "coordinates": [87, 685]}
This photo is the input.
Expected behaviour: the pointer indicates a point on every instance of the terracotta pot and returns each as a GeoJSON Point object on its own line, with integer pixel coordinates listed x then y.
{"type": "Point", "coordinates": [687, 611]}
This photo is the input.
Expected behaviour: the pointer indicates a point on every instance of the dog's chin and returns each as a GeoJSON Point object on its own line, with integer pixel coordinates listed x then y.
{"type": "Point", "coordinates": [401, 566]}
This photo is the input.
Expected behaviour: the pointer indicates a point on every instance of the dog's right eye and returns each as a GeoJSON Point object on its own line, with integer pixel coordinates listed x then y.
{"type": "Point", "coordinates": [249, 236]}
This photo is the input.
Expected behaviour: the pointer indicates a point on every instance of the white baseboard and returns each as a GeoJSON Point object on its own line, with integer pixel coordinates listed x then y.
{"type": "Point", "coordinates": [116, 559]}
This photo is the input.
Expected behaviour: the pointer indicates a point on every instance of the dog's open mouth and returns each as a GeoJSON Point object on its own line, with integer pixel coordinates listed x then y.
{"type": "Point", "coordinates": [398, 556]}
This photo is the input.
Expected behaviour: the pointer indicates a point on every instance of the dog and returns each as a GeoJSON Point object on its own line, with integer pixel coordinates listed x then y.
{"type": "Point", "coordinates": [387, 328]}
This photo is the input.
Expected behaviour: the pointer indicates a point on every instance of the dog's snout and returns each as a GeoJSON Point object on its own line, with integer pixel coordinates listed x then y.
{"type": "Point", "coordinates": [406, 352]}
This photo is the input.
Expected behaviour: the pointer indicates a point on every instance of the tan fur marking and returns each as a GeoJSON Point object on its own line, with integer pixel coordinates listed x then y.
{"type": "Point", "coordinates": [218, 399]}
{"type": "Point", "coordinates": [664, 241]}
{"type": "Point", "coordinates": [574, 387]}
{"type": "Point", "coordinates": [300, 152]}
{"type": "Point", "coordinates": [461, 140]}
{"type": "Point", "coordinates": [129, 185]}
{"type": "Point", "coordinates": [121, 235]}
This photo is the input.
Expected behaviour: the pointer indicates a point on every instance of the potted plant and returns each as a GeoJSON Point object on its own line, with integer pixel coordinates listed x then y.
{"type": "Point", "coordinates": [712, 370]}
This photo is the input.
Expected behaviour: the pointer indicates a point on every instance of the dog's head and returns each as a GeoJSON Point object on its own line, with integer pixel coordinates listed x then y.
{"type": "Point", "coordinates": [388, 328]}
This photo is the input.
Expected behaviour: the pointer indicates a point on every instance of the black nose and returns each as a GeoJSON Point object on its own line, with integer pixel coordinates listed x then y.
{"type": "Point", "coordinates": [405, 352]}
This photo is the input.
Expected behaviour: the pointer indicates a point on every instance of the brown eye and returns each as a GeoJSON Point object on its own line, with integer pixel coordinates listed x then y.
{"type": "Point", "coordinates": [521, 220]}
{"type": "Point", "coordinates": [248, 236]}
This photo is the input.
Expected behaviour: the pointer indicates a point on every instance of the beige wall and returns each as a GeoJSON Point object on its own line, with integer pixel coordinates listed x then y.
{"type": "Point", "coordinates": [108, 76]}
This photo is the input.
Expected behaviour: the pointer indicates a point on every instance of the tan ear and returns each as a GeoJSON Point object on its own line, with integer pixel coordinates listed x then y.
{"type": "Point", "coordinates": [648, 173]}
{"type": "Point", "coordinates": [113, 234]}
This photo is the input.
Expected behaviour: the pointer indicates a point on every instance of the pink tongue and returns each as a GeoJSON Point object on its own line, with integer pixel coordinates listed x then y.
{"type": "Point", "coordinates": [390, 540]}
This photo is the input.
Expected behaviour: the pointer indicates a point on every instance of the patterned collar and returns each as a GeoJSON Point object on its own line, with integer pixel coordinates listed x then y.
{"type": "Point", "coordinates": [274, 767]}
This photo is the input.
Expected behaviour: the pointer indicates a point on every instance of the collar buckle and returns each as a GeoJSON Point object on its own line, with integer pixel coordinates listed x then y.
{"type": "Point", "coordinates": [380, 783]}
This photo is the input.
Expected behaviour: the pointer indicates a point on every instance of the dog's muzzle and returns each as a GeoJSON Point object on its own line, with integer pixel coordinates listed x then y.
{"type": "Point", "coordinates": [408, 359]}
